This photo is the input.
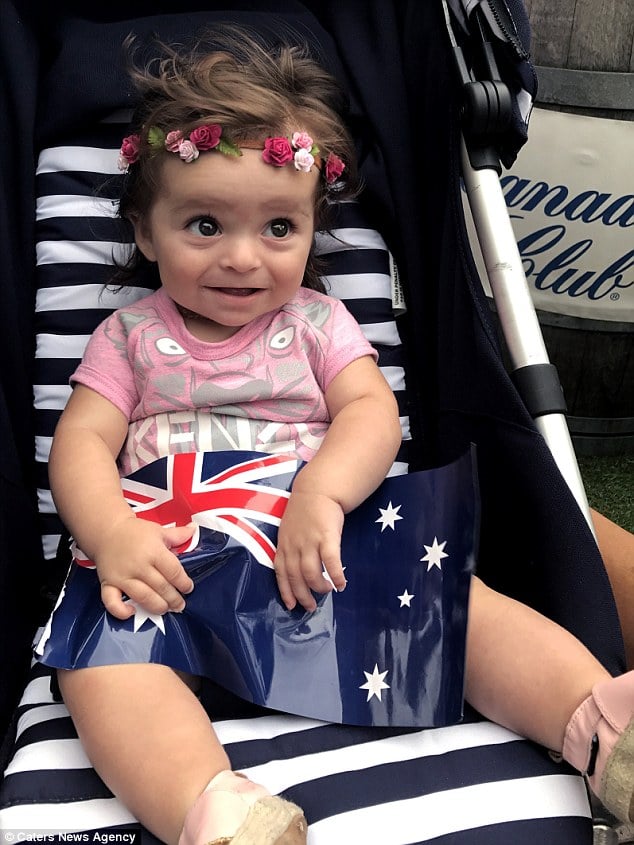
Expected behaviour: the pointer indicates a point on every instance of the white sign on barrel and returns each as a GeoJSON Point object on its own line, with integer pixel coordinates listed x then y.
{"type": "Point", "coordinates": [570, 196]}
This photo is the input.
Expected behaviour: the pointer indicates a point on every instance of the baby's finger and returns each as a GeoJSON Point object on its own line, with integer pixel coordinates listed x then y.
{"type": "Point", "coordinates": [283, 584]}
{"type": "Point", "coordinates": [112, 599]}
{"type": "Point", "coordinates": [312, 570]}
{"type": "Point", "coordinates": [161, 594]}
{"type": "Point", "coordinates": [145, 595]}
{"type": "Point", "coordinates": [179, 537]}
{"type": "Point", "coordinates": [292, 586]}
{"type": "Point", "coordinates": [173, 572]}
{"type": "Point", "coordinates": [334, 569]}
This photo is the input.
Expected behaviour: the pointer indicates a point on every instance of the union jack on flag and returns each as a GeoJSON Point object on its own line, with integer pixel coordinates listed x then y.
{"type": "Point", "coordinates": [232, 500]}
{"type": "Point", "coordinates": [388, 650]}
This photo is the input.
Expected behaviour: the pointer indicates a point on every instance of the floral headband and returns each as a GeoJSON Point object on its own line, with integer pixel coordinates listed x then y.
{"type": "Point", "coordinates": [299, 149]}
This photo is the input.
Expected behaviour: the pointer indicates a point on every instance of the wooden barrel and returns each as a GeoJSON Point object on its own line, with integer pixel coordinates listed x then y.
{"type": "Point", "coordinates": [583, 52]}
{"type": "Point", "coordinates": [595, 361]}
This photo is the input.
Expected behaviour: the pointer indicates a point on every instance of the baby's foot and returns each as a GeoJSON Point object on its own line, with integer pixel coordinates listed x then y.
{"type": "Point", "coordinates": [233, 809]}
{"type": "Point", "coordinates": [599, 741]}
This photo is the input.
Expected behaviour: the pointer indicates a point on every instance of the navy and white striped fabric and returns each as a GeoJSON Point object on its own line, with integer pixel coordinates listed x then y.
{"type": "Point", "coordinates": [471, 783]}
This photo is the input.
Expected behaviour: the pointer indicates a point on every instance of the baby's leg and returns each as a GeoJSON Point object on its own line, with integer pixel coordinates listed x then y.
{"type": "Point", "coordinates": [148, 737]}
{"type": "Point", "coordinates": [527, 673]}
{"type": "Point", "coordinates": [524, 671]}
{"type": "Point", "coordinates": [151, 741]}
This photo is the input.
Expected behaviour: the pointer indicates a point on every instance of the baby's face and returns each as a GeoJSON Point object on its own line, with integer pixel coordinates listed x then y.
{"type": "Point", "coordinates": [231, 236]}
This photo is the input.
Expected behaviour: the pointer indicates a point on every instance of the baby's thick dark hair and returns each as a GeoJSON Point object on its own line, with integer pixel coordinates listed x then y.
{"type": "Point", "coordinates": [252, 90]}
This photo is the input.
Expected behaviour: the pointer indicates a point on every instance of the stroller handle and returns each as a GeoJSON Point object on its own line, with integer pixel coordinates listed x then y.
{"type": "Point", "coordinates": [519, 322]}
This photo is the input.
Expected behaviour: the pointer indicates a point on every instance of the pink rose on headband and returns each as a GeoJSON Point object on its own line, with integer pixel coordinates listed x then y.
{"type": "Point", "coordinates": [303, 160]}
{"type": "Point", "coordinates": [277, 151]}
{"type": "Point", "coordinates": [302, 141]}
{"type": "Point", "coordinates": [187, 151]}
{"type": "Point", "coordinates": [206, 137]}
{"type": "Point", "coordinates": [129, 152]}
{"type": "Point", "coordinates": [173, 140]}
{"type": "Point", "coordinates": [334, 168]}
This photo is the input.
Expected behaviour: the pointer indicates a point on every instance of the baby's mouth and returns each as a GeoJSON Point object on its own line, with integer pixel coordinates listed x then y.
{"type": "Point", "coordinates": [238, 291]}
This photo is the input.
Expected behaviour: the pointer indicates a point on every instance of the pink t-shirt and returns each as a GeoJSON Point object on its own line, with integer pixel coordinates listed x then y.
{"type": "Point", "coordinates": [260, 390]}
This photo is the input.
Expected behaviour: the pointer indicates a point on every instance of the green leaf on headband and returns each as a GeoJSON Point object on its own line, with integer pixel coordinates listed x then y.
{"type": "Point", "coordinates": [314, 150]}
{"type": "Point", "coordinates": [228, 148]}
{"type": "Point", "coordinates": [156, 138]}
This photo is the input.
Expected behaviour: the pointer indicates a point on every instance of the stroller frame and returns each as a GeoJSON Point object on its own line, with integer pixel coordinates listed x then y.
{"type": "Point", "coordinates": [486, 115]}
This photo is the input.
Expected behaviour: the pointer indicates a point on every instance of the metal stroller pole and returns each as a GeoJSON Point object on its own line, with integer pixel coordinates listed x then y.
{"type": "Point", "coordinates": [518, 318]}
{"type": "Point", "coordinates": [486, 113]}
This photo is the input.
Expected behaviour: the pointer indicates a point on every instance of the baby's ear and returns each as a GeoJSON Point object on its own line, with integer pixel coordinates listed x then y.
{"type": "Point", "coordinates": [143, 236]}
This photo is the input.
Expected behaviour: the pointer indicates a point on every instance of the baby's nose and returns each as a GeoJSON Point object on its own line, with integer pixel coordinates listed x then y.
{"type": "Point", "coordinates": [240, 254]}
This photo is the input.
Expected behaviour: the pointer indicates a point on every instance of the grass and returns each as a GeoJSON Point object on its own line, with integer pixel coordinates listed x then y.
{"type": "Point", "coordinates": [609, 483]}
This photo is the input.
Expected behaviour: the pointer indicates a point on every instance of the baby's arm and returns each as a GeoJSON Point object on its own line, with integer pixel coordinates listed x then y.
{"type": "Point", "coordinates": [356, 453]}
{"type": "Point", "coordinates": [132, 555]}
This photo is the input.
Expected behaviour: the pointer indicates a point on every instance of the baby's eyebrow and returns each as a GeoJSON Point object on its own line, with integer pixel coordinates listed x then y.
{"type": "Point", "coordinates": [196, 203]}
{"type": "Point", "coordinates": [283, 208]}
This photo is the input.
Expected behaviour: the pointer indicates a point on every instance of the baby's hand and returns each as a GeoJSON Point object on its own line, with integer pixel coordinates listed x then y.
{"type": "Point", "coordinates": [135, 558]}
{"type": "Point", "coordinates": [309, 539]}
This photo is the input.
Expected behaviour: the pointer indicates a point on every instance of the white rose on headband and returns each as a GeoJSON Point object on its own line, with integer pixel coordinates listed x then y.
{"type": "Point", "coordinates": [303, 160]}
{"type": "Point", "coordinates": [188, 151]}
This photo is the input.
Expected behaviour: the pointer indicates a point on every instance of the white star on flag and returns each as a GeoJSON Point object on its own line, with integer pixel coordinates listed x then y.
{"type": "Point", "coordinates": [435, 554]}
{"type": "Point", "coordinates": [406, 599]}
{"type": "Point", "coordinates": [141, 615]}
{"type": "Point", "coordinates": [388, 517]}
{"type": "Point", "coordinates": [375, 683]}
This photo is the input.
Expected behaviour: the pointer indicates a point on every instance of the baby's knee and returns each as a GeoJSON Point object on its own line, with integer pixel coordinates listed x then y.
{"type": "Point", "coordinates": [478, 594]}
{"type": "Point", "coordinates": [194, 682]}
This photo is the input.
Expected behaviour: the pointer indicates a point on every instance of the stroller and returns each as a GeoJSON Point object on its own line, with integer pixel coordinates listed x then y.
{"type": "Point", "coordinates": [469, 783]}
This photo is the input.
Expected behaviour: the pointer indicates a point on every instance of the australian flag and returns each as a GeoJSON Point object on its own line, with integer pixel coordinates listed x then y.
{"type": "Point", "coordinates": [388, 650]}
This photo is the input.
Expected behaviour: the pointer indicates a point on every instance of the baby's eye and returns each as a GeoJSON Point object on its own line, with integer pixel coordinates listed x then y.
{"type": "Point", "coordinates": [280, 228]}
{"type": "Point", "coordinates": [206, 227]}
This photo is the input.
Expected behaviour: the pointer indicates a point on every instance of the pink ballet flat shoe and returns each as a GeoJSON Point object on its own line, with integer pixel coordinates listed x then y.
{"type": "Point", "coordinates": [599, 742]}
{"type": "Point", "coordinates": [233, 809]}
